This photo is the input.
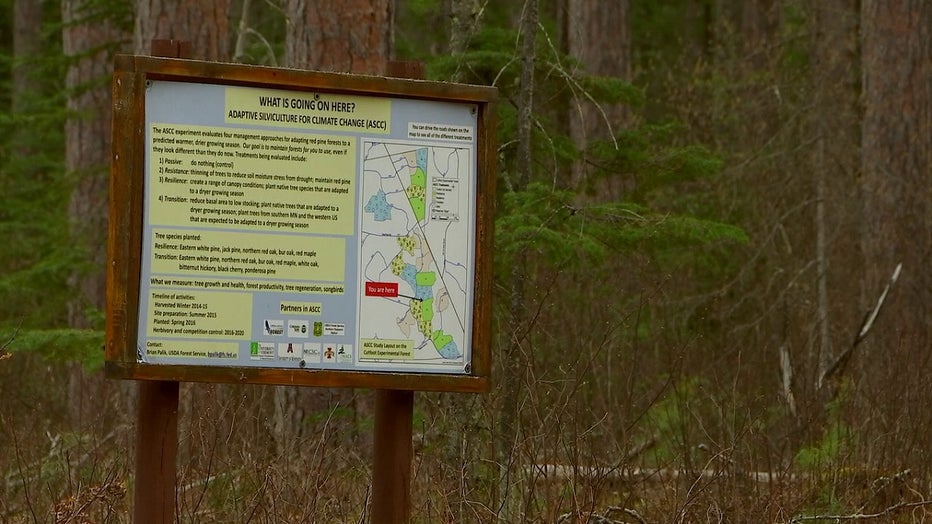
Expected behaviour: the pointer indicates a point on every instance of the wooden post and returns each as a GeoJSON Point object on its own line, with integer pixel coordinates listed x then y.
{"type": "Point", "coordinates": [392, 454]}
{"type": "Point", "coordinates": [157, 415]}
{"type": "Point", "coordinates": [156, 452]}
{"type": "Point", "coordinates": [394, 414]}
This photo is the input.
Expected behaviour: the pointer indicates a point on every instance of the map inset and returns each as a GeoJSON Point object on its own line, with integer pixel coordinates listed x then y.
{"type": "Point", "coordinates": [414, 253]}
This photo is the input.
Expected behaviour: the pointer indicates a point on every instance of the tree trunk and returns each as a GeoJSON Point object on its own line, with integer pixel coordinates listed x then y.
{"type": "Point", "coordinates": [896, 162]}
{"type": "Point", "coordinates": [836, 90]}
{"type": "Point", "coordinates": [239, 50]}
{"type": "Point", "coordinates": [90, 39]}
{"type": "Point", "coordinates": [351, 36]}
{"type": "Point", "coordinates": [597, 35]}
{"type": "Point", "coordinates": [891, 369]}
{"type": "Point", "coordinates": [461, 410]}
{"type": "Point", "coordinates": [27, 26]}
{"type": "Point", "coordinates": [464, 21]}
{"type": "Point", "coordinates": [513, 358]}
{"type": "Point", "coordinates": [204, 23]}
{"type": "Point", "coordinates": [759, 24]}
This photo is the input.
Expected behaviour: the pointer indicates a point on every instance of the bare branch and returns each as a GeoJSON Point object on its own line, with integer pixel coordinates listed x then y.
{"type": "Point", "coordinates": [865, 516]}
{"type": "Point", "coordinates": [786, 368]}
{"type": "Point", "coordinates": [839, 364]}
{"type": "Point", "coordinates": [4, 353]}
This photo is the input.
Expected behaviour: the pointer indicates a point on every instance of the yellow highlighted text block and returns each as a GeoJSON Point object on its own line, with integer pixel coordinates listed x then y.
{"type": "Point", "coordinates": [305, 288]}
{"type": "Point", "coordinates": [265, 180]}
{"type": "Point", "coordinates": [381, 348]}
{"type": "Point", "coordinates": [228, 253]}
{"type": "Point", "coordinates": [199, 314]}
{"type": "Point", "coordinates": [325, 111]}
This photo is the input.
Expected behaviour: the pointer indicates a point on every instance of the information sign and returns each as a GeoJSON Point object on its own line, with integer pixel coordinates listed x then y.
{"type": "Point", "coordinates": [298, 227]}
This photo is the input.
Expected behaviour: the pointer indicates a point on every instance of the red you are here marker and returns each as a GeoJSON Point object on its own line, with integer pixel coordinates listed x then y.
{"type": "Point", "coordinates": [381, 289]}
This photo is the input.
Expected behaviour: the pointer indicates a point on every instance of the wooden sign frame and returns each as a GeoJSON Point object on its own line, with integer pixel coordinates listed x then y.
{"type": "Point", "coordinates": [127, 193]}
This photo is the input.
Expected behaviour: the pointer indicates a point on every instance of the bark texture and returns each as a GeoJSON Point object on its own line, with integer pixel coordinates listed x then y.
{"type": "Point", "coordinates": [838, 209]}
{"type": "Point", "coordinates": [896, 163]}
{"type": "Point", "coordinates": [351, 36]}
{"type": "Point", "coordinates": [27, 26]}
{"type": "Point", "coordinates": [597, 35]}
{"type": "Point", "coordinates": [90, 40]}
{"type": "Point", "coordinates": [202, 22]}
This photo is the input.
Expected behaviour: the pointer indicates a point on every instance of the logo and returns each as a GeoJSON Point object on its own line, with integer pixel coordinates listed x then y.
{"type": "Point", "coordinates": [274, 328]}
{"type": "Point", "coordinates": [312, 353]}
{"type": "Point", "coordinates": [345, 354]}
{"type": "Point", "coordinates": [290, 351]}
{"type": "Point", "coordinates": [297, 328]}
{"type": "Point", "coordinates": [318, 329]}
{"type": "Point", "coordinates": [261, 351]}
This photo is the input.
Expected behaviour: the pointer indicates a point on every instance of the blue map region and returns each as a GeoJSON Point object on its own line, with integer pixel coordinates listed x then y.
{"type": "Point", "coordinates": [379, 207]}
{"type": "Point", "coordinates": [422, 159]}
{"type": "Point", "coordinates": [409, 274]}
{"type": "Point", "coordinates": [450, 351]}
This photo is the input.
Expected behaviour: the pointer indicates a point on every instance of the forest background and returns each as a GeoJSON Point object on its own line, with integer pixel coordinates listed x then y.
{"type": "Point", "coordinates": [713, 299]}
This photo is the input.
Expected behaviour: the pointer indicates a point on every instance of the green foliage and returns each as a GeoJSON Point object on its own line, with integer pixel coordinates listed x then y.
{"type": "Point", "coordinates": [84, 346]}
{"type": "Point", "coordinates": [38, 256]}
{"type": "Point", "coordinates": [537, 219]}
{"type": "Point", "coordinates": [489, 60]}
{"type": "Point", "coordinates": [666, 422]}
{"type": "Point", "coordinates": [610, 90]}
{"type": "Point", "coordinates": [665, 30]}
{"type": "Point", "coordinates": [836, 443]}
{"type": "Point", "coordinates": [796, 29]}
{"type": "Point", "coordinates": [35, 260]}
{"type": "Point", "coordinates": [264, 34]}
{"type": "Point", "coordinates": [550, 219]}
{"type": "Point", "coordinates": [651, 157]}
{"type": "Point", "coordinates": [547, 223]}
{"type": "Point", "coordinates": [827, 452]}
{"type": "Point", "coordinates": [423, 26]}
{"type": "Point", "coordinates": [827, 456]}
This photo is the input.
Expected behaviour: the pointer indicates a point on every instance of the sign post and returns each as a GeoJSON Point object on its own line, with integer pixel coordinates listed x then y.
{"type": "Point", "coordinates": [157, 411]}
{"type": "Point", "coordinates": [392, 455]}
{"type": "Point", "coordinates": [156, 452]}
{"type": "Point", "coordinates": [394, 414]}
{"type": "Point", "coordinates": [289, 227]}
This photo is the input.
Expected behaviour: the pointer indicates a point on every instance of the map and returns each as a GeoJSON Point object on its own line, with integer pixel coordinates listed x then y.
{"type": "Point", "coordinates": [415, 254]}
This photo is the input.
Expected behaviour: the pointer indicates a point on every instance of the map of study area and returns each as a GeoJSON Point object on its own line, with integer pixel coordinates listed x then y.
{"type": "Point", "coordinates": [293, 229]}
{"type": "Point", "coordinates": [414, 264]}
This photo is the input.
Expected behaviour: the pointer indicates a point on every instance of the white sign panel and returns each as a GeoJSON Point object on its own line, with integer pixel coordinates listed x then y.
{"type": "Point", "coordinates": [290, 229]}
